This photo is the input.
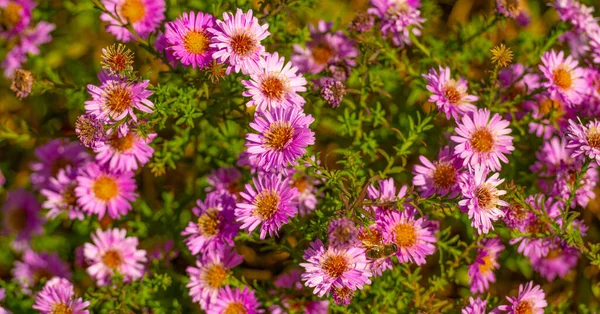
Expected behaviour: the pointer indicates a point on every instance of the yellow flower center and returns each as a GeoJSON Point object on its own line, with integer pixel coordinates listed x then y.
{"type": "Point", "coordinates": [322, 53]}
{"type": "Point", "coordinates": [10, 15]}
{"type": "Point", "coordinates": [485, 197]}
{"type": "Point", "coordinates": [266, 203]}
{"type": "Point", "coordinates": [215, 276]}
{"type": "Point", "coordinates": [278, 135]}
{"type": "Point", "coordinates": [300, 184]}
{"type": "Point", "coordinates": [105, 188]}
{"type": "Point", "coordinates": [122, 144]}
{"type": "Point", "coordinates": [482, 140]}
{"type": "Point", "coordinates": [335, 265]}
{"type": "Point", "coordinates": [112, 259]}
{"type": "Point", "coordinates": [524, 307]}
{"type": "Point", "coordinates": [593, 137]}
{"type": "Point", "coordinates": [452, 94]}
{"type": "Point", "coordinates": [562, 78]}
{"type": "Point", "coordinates": [118, 99]}
{"type": "Point", "coordinates": [406, 235]}
{"type": "Point", "coordinates": [133, 10]}
{"type": "Point", "coordinates": [61, 308]}
{"type": "Point", "coordinates": [196, 42]}
{"type": "Point", "coordinates": [208, 222]}
{"type": "Point", "coordinates": [487, 264]}
{"type": "Point", "coordinates": [444, 176]}
{"type": "Point", "coordinates": [242, 44]}
{"type": "Point", "coordinates": [273, 87]}
{"type": "Point", "coordinates": [235, 308]}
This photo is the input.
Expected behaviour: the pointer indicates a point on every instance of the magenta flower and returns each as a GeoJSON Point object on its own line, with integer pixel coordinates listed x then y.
{"type": "Point", "coordinates": [54, 156]}
{"type": "Point", "coordinates": [481, 198]}
{"type": "Point", "coordinates": [292, 281]}
{"type": "Point", "coordinates": [398, 18]}
{"type": "Point", "coordinates": [561, 258]}
{"type": "Point", "coordinates": [585, 140]}
{"type": "Point", "coordinates": [237, 41]}
{"type": "Point", "coordinates": [2, 297]}
{"type": "Point", "coordinates": [564, 78]}
{"type": "Point", "coordinates": [58, 296]}
{"type": "Point", "coordinates": [413, 236]}
{"type": "Point", "coordinates": [112, 251]}
{"type": "Point", "coordinates": [550, 116]}
{"type": "Point", "coordinates": [33, 38]}
{"type": "Point", "coordinates": [342, 233]}
{"type": "Point", "coordinates": [17, 15]}
{"type": "Point", "coordinates": [161, 44]}
{"type": "Point", "coordinates": [579, 15]}
{"type": "Point", "coordinates": [476, 306]}
{"type": "Point", "coordinates": [224, 180]}
{"type": "Point", "coordinates": [211, 274]}
{"type": "Point", "coordinates": [215, 226]}
{"type": "Point", "coordinates": [37, 266]}
{"type": "Point", "coordinates": [271, 202]}
{"type": "Point", "coordinates": [144, 16]}
{"type": "Point", "coordinates": [448, 94]}
{"type": "Point", "coordinates": [123, 153]}
{"type": "Point", "coordinates": [189, 39]}
{"type": "Point", "coordinates": [307, 189]}
{"type": "Point", "coordinates": [481, 272]}
{"type": "Point", "coordinates": [21, 216]}
{"type": "Point", "coordinates": [440, 177]}
{"type": "Point", "coordinates": [385, 194]}
{"type": "Point", "coordinates": [283, 135]}
{"type": "Point", "coordinates": [61, 197]}
{"type": "Point", "coordinates": [116, 97]}
{"type": "Point", "coordinates": [274, 84]}
{"type": "Point", "coordinates": [235, 301]}
{"type": "Point", "coordinates": [531, 299]}
{"type": "Point", "coordinates": [483, 141]}
{"type": "Point", "coordinates": [328, 268]}
{"type": "Point", "coordinates": [99, 190]}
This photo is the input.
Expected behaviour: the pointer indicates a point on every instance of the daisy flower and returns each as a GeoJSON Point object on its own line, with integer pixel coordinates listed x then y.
{"type": "Point", "coordinates": [271, 203]}
{"type": "Point", "coordinates": [99, 190]}
{"type": "Point", "coordinates": [123, 153]}
{"type": "Point", "coordinates": [189, 39]}
{"type": "Point", "coordinates": [37, 266]}
{"type": "Point", "coordinates": [481, 141]}
{"type": "Point", "coordinates": [161, 44]}
{"type": "Point", "coordinates": [385, 193]}
{"type": "Point", "coordinates": [144, 16]}
{"type": "Point", "coordinates": [224, 180]}
{"type": "Point", "coordinates": [116, 97]}
{"type": "Point", "coordinates": [585, 140]}
{"type": "Point", "coordinates": [531, 299]}
{"type": "Point", "coordinates": [215, 226]}
{"type": "Point", "coordinates": [16, 15]}
{"type": "Point", "coordinates": [561, 259]}
{"type": "Point", "coordinates": [328, 268]}
{"type": "Point", "coordinates": [112, 251]}
{"type": "Point", "coordinates": [274, 84]}
{"type": "Point", "coordinates": [513, 9]}
{"type": "Point", "coordinates": [292, 281]}
{"type": "Point", "coordinates": [481, 272]}
{"type": "Point", "coordinates": [235, 301]}
{"type": "Point", "coordinates": [369, 238]}
{"type": "Point", "coordinates": [61, 198]}
{"type": "Point", "coordinates": [412, 235]}
{"type": "Point", "coordinates": [342, 233]}
{"type": "Point", "coordinates": [476, 306]}
{"type": "Point", "coordinates": [440, 177]}
{"type": "Point", "coordinates": [54, 156]}
{"type": "Point", "coordinates": [579, 15]}
{"type": "Point", "coordinates": [21, 216]}
{"type": "Point", "coordinates": [237, 41]}
{"type": "Point", "coordinates": [283, 135]}
{"type": "Point", "coordinates": [481, 198]}
{"type": "Point", "coordinates": [398, 18]}
{"type": "Point", "coordinates": [58, 296]}
{"type": "Point", "coordinates": [448, 94]}
{"type": "Point", "coordinates": [564, 79]}
{"type": "Point", "coordinates": [210, 275]}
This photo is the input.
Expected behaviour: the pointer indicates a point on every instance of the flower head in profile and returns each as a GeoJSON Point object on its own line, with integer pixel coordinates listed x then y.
{"type": "Point", "coordinates": [236, 301]}
{"type": "Point", "coordinates": [481, 198]}
{"type": "Point", "coordinates": [476, 306]}
{"type": "Point", "coordinates": [448, 94]}
{"type": "Point", "coordinates": [144, 16]}
{"type": "Point", "coordinates": [481, 141]}
{"type": "Point", "coordinates": [125, 152]}
{"type": "Point", "coordinates": [564, 79]}
{"type": "Point", "coordinates": [440, 177]}
{"type": "Point", "coordinates": [329, 268]}
{"type": "Point", "coordinates": [54, 156]}
{"type": "Point", "coordinates": [560, 259]}
{"type": "Point", "coordinates": [283, 135]}
{"type": "Point", "coordinates": [271, 203]}
{"type": "Point", "coordinates": [188, 38]}
{"type": "Point", "coordinates": [291, 283]}
{"type": "Point", "coordinates": [399, 18]}
{"type": "Point", "coordinates": [531, 299]}
{"type": "Point", "coordinates": [215, 226]}
{"type": "Point", "coordinates": [481, 272]}
{"type": "Point", "coordinates": [21, 216]}
{"type": "Point", "coordinates": [274, 84]}
{"type": "Point", "coordinates": [210, 275]}
{"type": "Point", "coordinates": [58, 297]}
{"type": "Point", "coordinates": [112, 251]}
{"type": "Point", "coordinates": [237, 41]}
{"type": "Point", "coordinates": [37, 266]}
{"type": "Point", "coordinates": [61, 197]}
{"type": "Point", "coordinates": [100, 190]}
{"type": "Point", "coordinates": [584, 139]}
{"type": "Point", "coordinates": [342, 233]}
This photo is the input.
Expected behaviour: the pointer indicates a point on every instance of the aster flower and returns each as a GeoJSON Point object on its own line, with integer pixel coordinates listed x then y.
{"type": "Point", "coordinates": [22, 83]}
{"type": "Point", "coordinates": [560, 259]}
{"type": "Point", "coordinates": [58, 296]}
{"type": "Point", "coordinates": [362, 22]}
{"type": "Point", "coordinates": [52, 157]}
{"type": "Point", "coordinates": [564, 78]}
{"type": "Point", "coordinates": [483, 141]}
{"type": "Point", "coordinates": [224, 180]}
{"type": "Point", "coordinates": [385, 193]}
{"type": "Point", "coordinates": [2, 297]}
{"type": "Point", "coordinates": [90, 130]}
{"type": "Point", "coordinates": [211, 274]}
{"type": "Point", "coordinates": [99, 190]}
{"type": "Point", "coordinates": [307, 189]}
{"type": "Point", "coordinates": [585, 140]}
{"type": "Point", "coordinates": [161, 44]}
{"type": "Point", "coordinates": [328, 268]}
{"type": "Point", "coordinates": [117, 58]}
{"type": "Point", "coordinates": [333, 91]}
{"type": "Point", "coordinates": [513, 9]}
{"type": "Point", "coordinates": [122, 153]}
{"type": "Point", "coordinates": [271, 203]}
{"type": "Point", "coordinates": [550, 116]}
{"type": "Point", "coordinates": [37, 266]}
{"type": "Point", "coordinates": [579, 15]}
{"type": "Point", "coordinates": [481, 198]}
{"type": "Point", "coordinates": [13, 61]}
{"type": "Point", "coordinates": [517, 80]}
{"type": "Point", "coordinates": [440, 177]}
{"type": "Point", "coordinates": [60, 196]}
{"type": "Point", "coordinates": [116, 98]}
{"type": "Point", "coordinates": [16, 15]}
{"type": "Point", "coordinates": [111, 251]}
{"type": "Point", "coordinates": [481, 272]}
{"type": "Point", "coordinates": [449, 95]}
{"type": "Point", "coordinates": [237, 41]}
{"type": "Point", "coordinates": [342, 233]}
{"type": "Point", "coordinates": [274, 84]}
{"type": "Point", "coordinates": [370, 238]}
{"type": "Point", "coordinates": [290, 301]}
{"type": "Point", "coordinates": [579, 43]}
{"type": "Point", "coordinates": [531, 299]}
{"type": "Point", "coordinates": [189, 39]}
{"type": "Point", "coordinates": [476, 306]}
{"type": "Point", "coordinates": [235, 301]}
{"type": "Point", "coordinates": [21, 216]}
{"type": "Point", "coordinates": [283, 135]}
{"type": "Point", "coordinates": [143, 15]}
{"type": "Point", "coordinates": [28, 43]}
{"type": "Point", "coordinates": [398, 18]}
{"type": "Point", "coordinates": [215, 226]}
{"type": "Point", "coordinates": [410, 233]}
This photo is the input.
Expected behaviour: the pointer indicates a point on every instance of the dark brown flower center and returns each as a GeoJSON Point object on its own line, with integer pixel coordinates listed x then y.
{"type": "Point", "coordinates": [208, 222]}
{"type": "Point", "coordinates": [196, 42]}
{"type": "Point", "coordinates": [273, 87]}
{"type": "Point", "coordinates": [112, 259]}
{"type": "Point", "coordinates": [593, 137]}
{"type": "Point", "coordinates": [524, 307]}
{"type": "Point", "coordinates": [68, 197]}
{"type": "Point", "coordinates": [322, 53]}
{"type": "Point", "coordinates": [17, 219]}
{"type": "Point", "coordinates": [444, 176]}
{"type": "Point", "coordinates": [562, 78]}
{"type": "Point", "coordinates": [335, 265]}
{"type": "Point", "coordinates": [242, 44]}
{"type": "Point", "coordinates": [406, 235]}
{"type": "Point", "coordinates": [133, 10]}
{"type": "Point", "coordinates": [482, 140]}
{"type": "Point", "coordinates": [118, 99]}
{"type": "Point", "coordinates": [105, 188]}
{"type": "Point", "coordinates": [267, 204]}
{"type": "Point", "coordinates": [278, 135]}
{"type": "Point", "coordinates": [215, 276]}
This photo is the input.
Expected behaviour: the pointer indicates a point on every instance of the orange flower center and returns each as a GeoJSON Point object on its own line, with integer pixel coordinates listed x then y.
{"type": "Point", "coordinates": [122, 144]}
{"type": "Point", "coordinates": [215, 276]}
{"type": "Point", "coordinates": [485, 197]}
{"type": "Point", "coordinates": [235, 308]}
{"type": "Point", "coordinates": [196, 42]}
{"type": "Point", "coordinates": [300, 184]}
{"type": "Point", "coordinates": [562, 78]}
{"type": "Point", "coordinates": [273, 87]}
{"type": "Point", "coordinates": [555, 253]}
{"type": "Point", "coordinates": [61, 308]}
{"type": "Point", "coordinates": [482, 140]}
{"type": "Point", "coordinates": [105, 188]}
{"type": "Point", "coordinates": [118, 99]}
{"type": "Point", "coordinates": [322, 53]}
{"type": "Point", "coordinates": [452, 94]}
{"type": "Point", "coordinates": [278, 135]}
{"type": "Point", "coordinates": [208, 222]}
{"type": "Point", "coordinates": [266, 203]}
{"type": "Point", "coordinates": [133, 10]}
{"type": "Point", "coordinates": [593, 137]}
{"type": "Point", "coordinates": [524, 307]}
{"type": "Point", "coordinates": [10, 15]}
{"type": "Point", "coordinates": [242, 44]}
{"type": "Point", "coordinates": [335, 265]}
{"type": "Point", "coordinates": [444, 176]}
{"type": "Point", "coordinates": [487, 264]}
{"type": "Point", "coordinates": [406, 235]}
{"type": "Point", "coordinates": [112, 259]}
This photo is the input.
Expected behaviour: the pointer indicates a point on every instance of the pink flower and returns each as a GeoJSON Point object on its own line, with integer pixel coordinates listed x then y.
{"type": "Point", "coordinates": [439, 177]}
{"type": "Point", "coordinates": [123, 153]}
{"type": "Point", "coordinates": [144, 16]}
{"type": "Point", "coordinates": [531, 299]}
{"type": "Point", "coordinates": [585, 140]}
{"type": "Point", "coordinates": [188, 39]}
{"type": "Point", "coordinates": [564, 78]}
{"type": "Point", "coordinates": [448, 94]}
{"type": "Point", "coordinates": [481, 272]}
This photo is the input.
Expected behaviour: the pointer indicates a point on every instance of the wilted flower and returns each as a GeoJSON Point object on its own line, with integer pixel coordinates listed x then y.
{"type": "Point", "coordinates": [117, 58]}
{"type": "Point", "coordinates": [501, 55]}
{"type": "Point", "coordinates": [90, 130]}
{"type": "Point", "coordinates": [333, 91]}
{"type": "Point", "coordinates": [22, 83]}
{"type": "Point", "coordinates": [362, 22]}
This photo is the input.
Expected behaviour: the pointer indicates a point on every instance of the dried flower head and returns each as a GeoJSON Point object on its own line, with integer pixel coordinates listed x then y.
{"type": "Point", "coordinates": [501, 55]}
{"type": "Point", "coordinates": [22, 83]}
{"type": "Point", "coordinates": [117, 58]}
